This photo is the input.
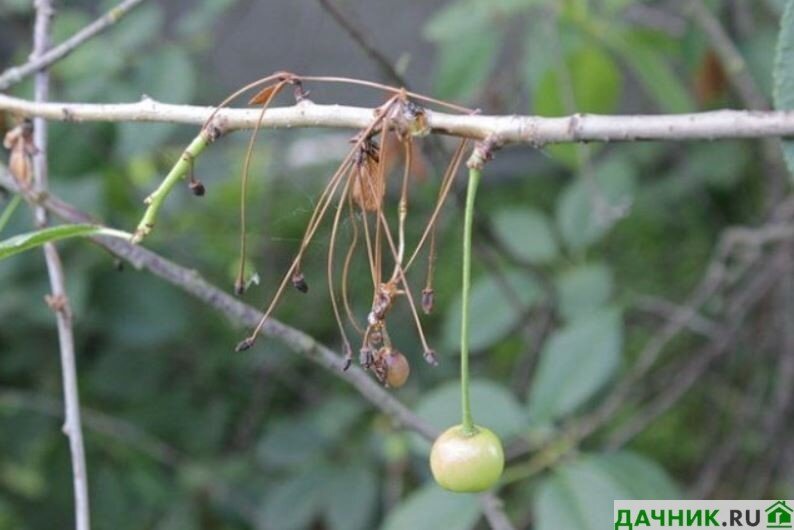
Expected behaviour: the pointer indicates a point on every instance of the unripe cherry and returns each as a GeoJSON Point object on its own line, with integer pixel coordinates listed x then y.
{"type": "Point", "coordinates": [467, 462]}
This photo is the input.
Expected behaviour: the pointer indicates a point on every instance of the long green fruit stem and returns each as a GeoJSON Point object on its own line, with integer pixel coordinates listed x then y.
{"type": "Point", "coordinates": [468, 421]}
{"type": "Point", "coordinates": [180, 169]}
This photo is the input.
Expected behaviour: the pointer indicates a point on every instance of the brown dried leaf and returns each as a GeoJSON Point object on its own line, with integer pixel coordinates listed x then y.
{"type": "Point", "coordinates": [263, 96]}
{"type": "Point", "coordinates": [368, 186]}
{"type": "Point", "coordinates": [20, 167]}
{"type": "Point", "coordinates": [12, 137]}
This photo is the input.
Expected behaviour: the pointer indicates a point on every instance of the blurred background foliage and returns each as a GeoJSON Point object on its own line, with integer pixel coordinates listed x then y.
{"type": "Point", "coordinates": [181, 433]}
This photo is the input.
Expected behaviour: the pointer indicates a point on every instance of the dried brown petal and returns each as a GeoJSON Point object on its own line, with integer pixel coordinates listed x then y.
{"type": "Point", "coordinates": [263, 95]}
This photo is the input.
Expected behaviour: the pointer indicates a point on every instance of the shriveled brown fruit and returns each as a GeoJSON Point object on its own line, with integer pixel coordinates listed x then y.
{"type": "Point", "coordinates": [397, 369]}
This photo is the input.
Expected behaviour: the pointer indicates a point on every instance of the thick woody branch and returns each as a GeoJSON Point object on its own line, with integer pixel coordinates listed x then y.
{"type": "Point", "coordinates": [533, 130]}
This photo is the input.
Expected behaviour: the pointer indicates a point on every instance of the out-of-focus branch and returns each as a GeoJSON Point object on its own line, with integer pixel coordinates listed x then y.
{"type": "Point", "coordinates": [666, 309]}
{"type": "Point", "coordinates": [115, 428]}
{"type": "Point", "coordinates": [363, 42]}
{"type": "Point", "coordinates": [745, 87]}
{"type": "Point", "coordinates": [58, 300]}
{"type": "Point", "coordinates": [731, 58]}
{"type": "Point", "coordinates": [686, 377]}
{"type": "Point", "coordinates": [532, 130]}
{"type": "Point", "coordinates": [16, 74]}
{"type": "Point", "coordinates": [734, 239]}
{"type": "Point", "coordinates": [717, 275]}
{"type": "Point", "coordinates": [130, 435]}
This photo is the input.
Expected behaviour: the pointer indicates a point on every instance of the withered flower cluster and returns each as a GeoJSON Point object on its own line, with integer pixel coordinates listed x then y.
{"type": "Point", "coordinates": [382, 150]}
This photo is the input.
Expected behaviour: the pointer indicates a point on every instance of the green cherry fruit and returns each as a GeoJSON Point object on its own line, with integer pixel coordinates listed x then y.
{"type": "Point", "coordinates": [467, 462]}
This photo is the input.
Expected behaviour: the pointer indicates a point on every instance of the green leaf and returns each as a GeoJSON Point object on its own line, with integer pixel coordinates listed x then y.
{"type": "Point", "coordinates": [465, 64]}
{"type": "Point", "coordinates": [720, 164]}
{"type": "Point", "coordinates": [526, 233]}
{"type": "Point", "coordinates": [91, 59]}
{"type": "Point", "coordinates": [595, 82]}
{"type": "Point", "coordinates": [141, 27]}
{"type": "Point", "coordinates": [578, 495]}
{"type": "Point", "coordinates": [538, 62]}
{"type": "Point", "coordinates": [581, 215]}
{"type": "Point", "coordinates": [291, 442]}
{"type": "Point", "coordinates": [293, 504]}
{"type": "Point", "coordinates": [583, 289]}
{"type": "Point", "coordinates": [167, 75]}
{"type": "Point", "coordinates": [431, 508]}
{"type": "Point", "coordinates": [22, 242]}
{"type": "Point", "coordinates": [351, 498]}
{"type": "Point", "coordinates": [651, 67]}
{"type": "Point", "coordinates": [641, 476]}
{"type": "Point", "coordinates": [492, 312]}
{"type": "Point", "coordinates": [784, 74]}
{"type": "Point", "coordinates": [458, 20]}
{"type": "Point", "coordinates": [492, 405]}
{"type": "Point", "coordinates": [575, 363]}
{"type": "Point", "coordinates": [151, 316]}
{"type": "Point", "coordinates": [759, 50]}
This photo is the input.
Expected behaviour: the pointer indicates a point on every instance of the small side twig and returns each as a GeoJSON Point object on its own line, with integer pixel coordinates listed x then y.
{"type": "Point", "coordinates": [16, 74]}
{"type": "Point", "coordinates": [178, 172]}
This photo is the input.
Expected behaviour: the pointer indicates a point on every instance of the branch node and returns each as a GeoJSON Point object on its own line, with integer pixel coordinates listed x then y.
{"type": "Point", "coordinates": [483, 152]}
{"type": "Point", "coordinates": [216, 128]}
{"type": "Point", "coordinates": [58, 303]}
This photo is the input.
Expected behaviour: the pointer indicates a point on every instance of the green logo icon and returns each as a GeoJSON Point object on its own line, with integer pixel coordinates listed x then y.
{"type": "Point", "coordinates": [778, 515]}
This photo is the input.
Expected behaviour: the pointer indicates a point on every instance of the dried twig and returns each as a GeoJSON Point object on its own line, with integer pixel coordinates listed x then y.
{"type": "Point", "coordinates": [16, 74]}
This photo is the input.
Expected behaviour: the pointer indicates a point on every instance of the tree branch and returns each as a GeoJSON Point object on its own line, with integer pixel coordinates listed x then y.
{"type": "Point", "coordinates": [533, 130]}
{"type": "Point", "coordinates": [16, 74]}
{"type": "Point", "coordinates": [58, 301]}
